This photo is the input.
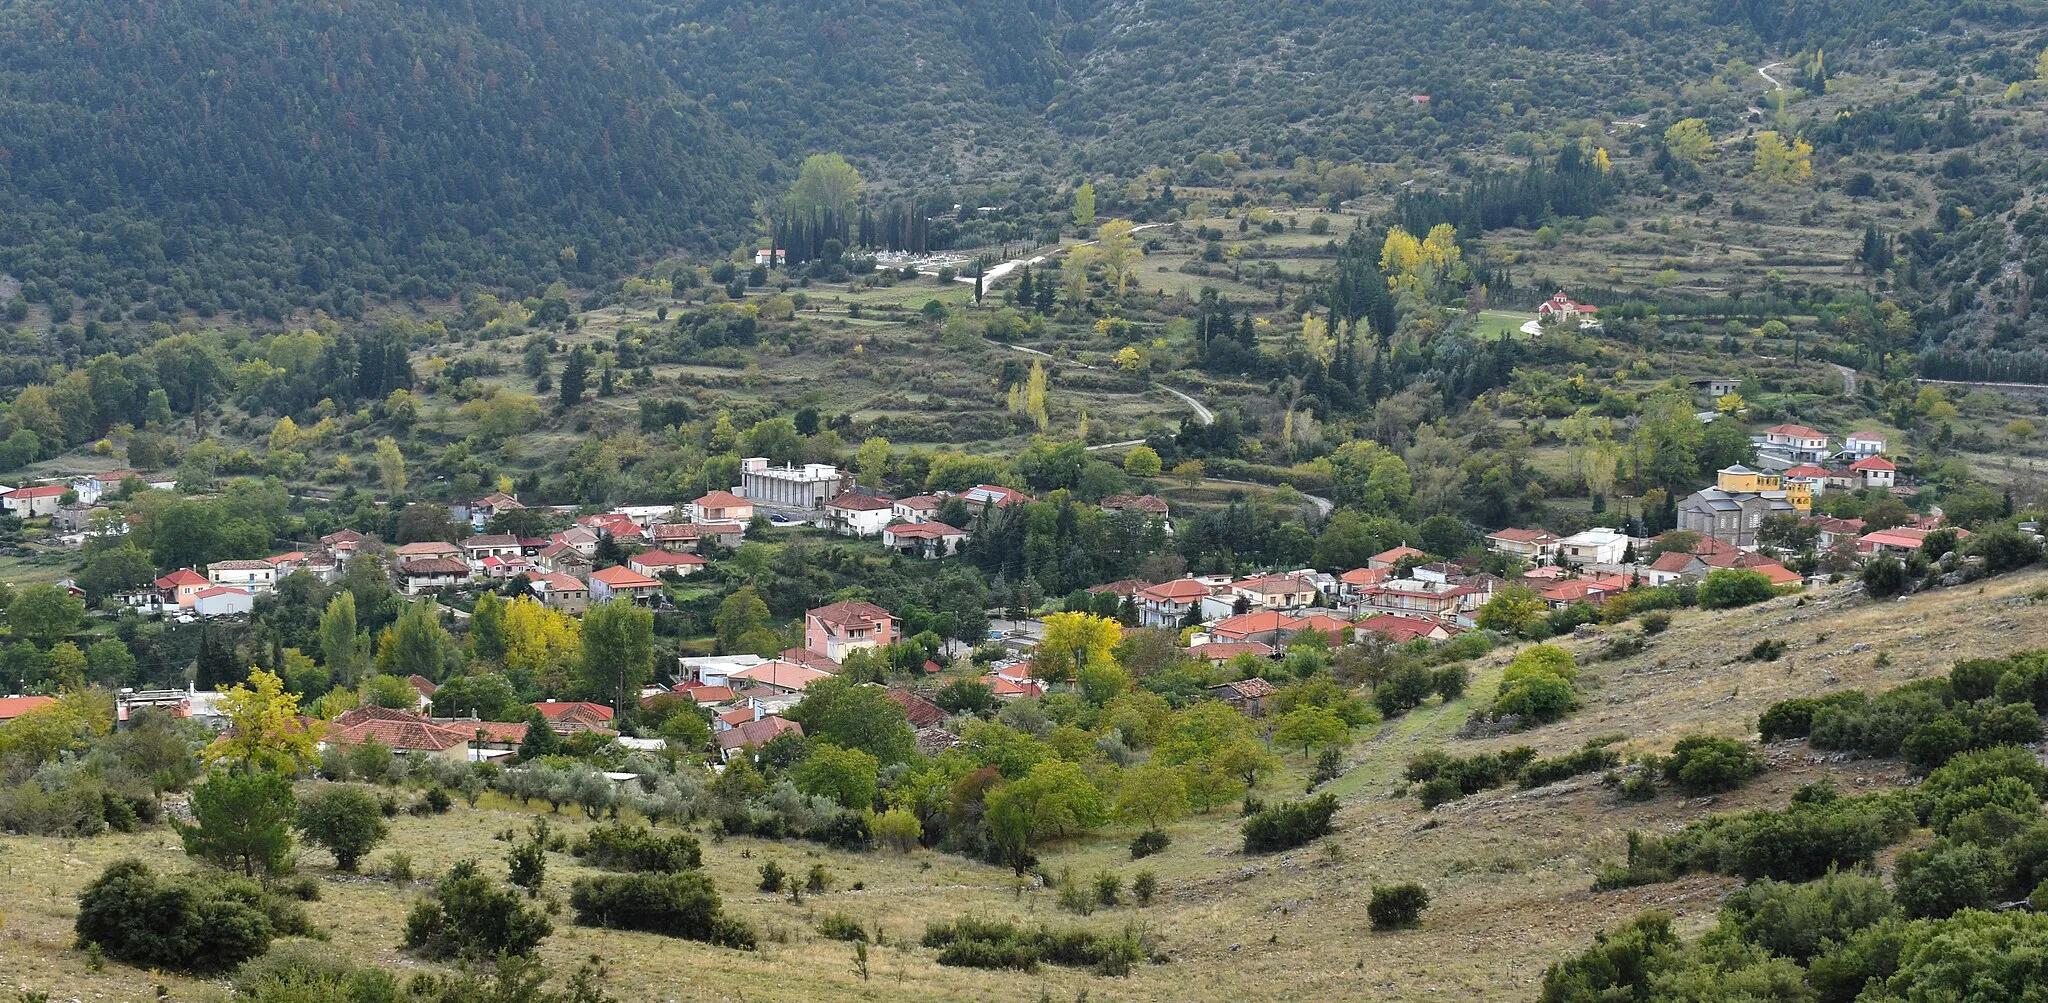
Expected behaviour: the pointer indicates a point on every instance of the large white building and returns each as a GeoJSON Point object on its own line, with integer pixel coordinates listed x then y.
{"type": "Point", "coordinates": [808, 486]}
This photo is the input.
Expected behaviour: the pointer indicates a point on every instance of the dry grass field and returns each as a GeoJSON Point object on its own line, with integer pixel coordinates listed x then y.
{"type": "Point", "coordinates": [1509, 870]}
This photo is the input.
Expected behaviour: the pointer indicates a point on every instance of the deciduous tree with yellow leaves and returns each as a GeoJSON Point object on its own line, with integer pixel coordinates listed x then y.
{"type": "Point", "coordinates": [1782, 162]}
{"type": "Point", "coordinates": [264, 730]}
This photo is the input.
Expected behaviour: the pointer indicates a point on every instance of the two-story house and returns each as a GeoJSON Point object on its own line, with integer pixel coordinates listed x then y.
{"type": "Point", "coordinates": [844, 627]}
{"type": "Point", "coordinates": [1168, 603]}
{"type": "Point", "coordinates": [249, 576]}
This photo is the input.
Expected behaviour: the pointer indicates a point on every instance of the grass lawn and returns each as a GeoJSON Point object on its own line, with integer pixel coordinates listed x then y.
{"type": "Point", "coordinates": [1493, 324]}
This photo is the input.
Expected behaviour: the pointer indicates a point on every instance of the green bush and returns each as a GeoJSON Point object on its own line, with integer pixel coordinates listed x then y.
{"type": "Point", "coordinates": [1945, 878]}
{"type": "Point", "coordinates": [185, 925]}
{"type": "Point", "coordinates": [1149, 842]}
{"type": "Point", "coordinates": [1933, 744]}
{"type": "Point", "coordinates": [1878, 726]}
{"type": "Point", "coordinates": [1703, 764]}
{"type": "Point", "coordinates": [472, 917]}
{"type": "Point", "coordinates": [978, 943]}
{"type": "Point", "coordinates": [1397, 907]}
{"type": "Point", "coordinates": [773, 877]}
{"type": "Point", "coordinates": [1728, 588]}
{"type": "Point", "coordinates": [1798, 920]}
{"type": "Point", "coordinates": [1794, 718]}
{"type": "Point", "coordinates": [1656, 622]}
{"type": "Point", "coordinates": [1286, 826]}
{"type": "Point", "coordinates": [346, 820]}
{"type": "Point", "coordinates": [637, 848]}
{"type": "Point", "coordinates": [1798, 844]}
{"type": "Point", "coordinates": [840, 926]}
{"type": "Point", "coordinates": [1617, 967]}
{"type": "Point", "coordinates": [676, 905]}
{"type": "Point", "coordinates": [1595, 757]}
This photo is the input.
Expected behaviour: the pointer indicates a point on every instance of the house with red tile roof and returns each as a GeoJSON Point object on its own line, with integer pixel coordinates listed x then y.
{"type": "Point", "coordinates": [13, 707]}
{"type": "Point", "coordinates": [1007, 689]}
{"type": "Point", "coordinates": [1899, 541]}
{"type": "Point", "coordinates": [1536, 546]}
{"type": "Point", "coordinates": [860, 515]}
{"type": "Point", "coordinates": [706, 695]}
{"type": "Point", "coordinates": [1560, 309]}
{"type": "Point", "coordinates": [401, 734]}
{"type": "Point", "coordinates": [844, 627]}
{"type": "Point", "coordinates": [916, 508]}
{"type": "Point", "coordinates": [424, 549]}
{"type": "Point", "coordinates": [557, 590]}
{"type": "Point", "coordinates": [1219, 652]}
{"type": "Point", "coordinates": [721, 506]}
{"type": "Point", "coordinates": [921, 713]}
{"type": "Point", "coordinates": [575, 715]}
{"type": "Point", "coordinates": [431, 573]}
{"type": "Point", "coordinates": [249, 576]}
{"type": "Point", "coordinates": [1875, 472]}
{"type": "Point", "coordinates": [1274, 591]}
{"type": "Point", "coordinates": [182, 586]}
{"type": "Point", "coordinates": [1266, 626]}
{"type": "Point", "coordinates": [1167, 603]}
{"type": "Point", "coordinates": [1402, 629]}
{"type": "Point", "coordinates": [1247, 696]}
{"type": "Point", "coordinates": [778, 675]}
{"type": "Point", "coordinates": [1329, 626]}
{"type": "Point", "coordinates": [754, 734]}
{"type": "Point", "coordinates": [987, 495]}
{"type": "Point", "coordinates": [613, 582]}
{"type": "Point", "coordinates": [654, 563]}
{"type": "Point", "coordinates": [807, 657]}
{"type": "Point", "coordinates": [34, 502]}
{"type": "Point", "coordinates": [927, 540]}
{"type": "Point", "coordinates": [1389, 558]}
{"type": "Point", "coordinates": [1594, 590]}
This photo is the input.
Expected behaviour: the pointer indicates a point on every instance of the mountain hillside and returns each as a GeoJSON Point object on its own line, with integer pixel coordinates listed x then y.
{"type": "Point", "coordinates": [220, 156]}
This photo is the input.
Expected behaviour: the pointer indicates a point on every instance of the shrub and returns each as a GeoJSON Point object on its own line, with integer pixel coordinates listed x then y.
{"type": "Point", "coordinates": [527, 865]}
{"type": "Point", "coordinates": [1932, 745]}
{"type": "Point", "coordinates": [1798, 844]}
{"type": "Point", "coordinates": [772, 877]}
{"type": "Point", "coordinates": [2012, 724]}
{"type": "Point", "coordinates": [343, 819]}
{"type": "Point", "coordinates": [1728, 588]}
{"type": "Point", "coordinates": [1448, 778]}
{"type": "Point", "coordinates": [1593, 758]}
{"type": "Point", "coordinates": [1945, 878]}
{"type": "Point", "coordinates": [840, 926]}
{"type": "Point", "coordinates": [1109, 888]}
{"type": "Point", "coordinates": [1656, 622]}
{"type": "Point", "coordinates": [975, 943]}
{"type": "Point", "coordinates": [1149, 842]}
{"type": "Point", "coordinates": [1286, 826]}
{"type": "Point", "coordinates": [1397, 907]}
{"type": "Point", "coordinates": [1767, 650]}
{"type": "Point", "coordinates": [1146, 885]}
{"type": "Point", "coordinates": [1640, 786]}
{"type": "Point", "coordinates": [635, 848]}
{"type": "Point", "coordinates": [1702, 764]}
{"type": "Point", "coordinates": [676, 905]}
{"type": "Point", "coordinates": [1618, 966]}
{"type": "Point", "coordinates": [1878, 725]}
{"type": "Point", "coordinates": [899, 830]}
{"type": "Point", "coordinates": [1537, 686]}
{"type": "Point", "coordinates": [1794, 718]}
{"type": "Point", "coordinates": [1798, 921]}
{"type": "Point", "coordinates": [184, 925]}
{"type": "Point", "coordinates": [472, 917]}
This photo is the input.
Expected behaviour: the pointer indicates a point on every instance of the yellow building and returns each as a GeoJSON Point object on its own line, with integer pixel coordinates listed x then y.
{"type": "Point", "coordinates": [1740, 480]}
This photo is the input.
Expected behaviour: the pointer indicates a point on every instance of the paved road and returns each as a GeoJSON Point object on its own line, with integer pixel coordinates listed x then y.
{"type": "Point", "coordinates": [1202, 414]}
{"type": "Point", "coordinates": [996, 272]}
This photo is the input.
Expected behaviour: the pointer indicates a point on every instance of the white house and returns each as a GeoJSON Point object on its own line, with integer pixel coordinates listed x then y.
{"type": "Point", "coordinates": [1536, 546]}
{"type": "Point", "coordinates": [430, 573]}
{"type": "Point", "coordinates": [34, 503]}
{"type": "Point", "coordinates": [222, 601]}
{"type": "Point", "coordinates": [1166, 604]}
{"type": "Point", "coordinates": [1560, 309]}
{"type": "Point", "coordinates": [1875, 472]}
{"type": "Point", "coordinates": [1599, 545]}
{"type": "Point", "coordinates": [1801, 442]}
{"type": "Point", "coordinates": [854, 514]}
{"type": "Point", "coordinates": [653, 563]}
{"type": "Point", "coordinates": [916, 508]}
{"type": "Point", "coordinates": [249, 576]}
{"type": "Point", "coordinates": [926, 540]}
{"type": "Point", "coordinates": [1864, 443]}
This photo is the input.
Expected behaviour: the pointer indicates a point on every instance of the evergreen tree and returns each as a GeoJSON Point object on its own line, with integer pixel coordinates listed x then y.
{"type": "Point", "coordinates": [1024, 290]}
{"type": "Point", "coordinates": [217, 665]}
{"type": "Point", "coordinates": [1045, 296]}
{"type": "Point", "coordinates": [575, 374]}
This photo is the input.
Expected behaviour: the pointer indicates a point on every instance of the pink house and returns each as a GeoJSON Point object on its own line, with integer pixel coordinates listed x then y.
{"type": "Point", "coordinates": [835, 630]}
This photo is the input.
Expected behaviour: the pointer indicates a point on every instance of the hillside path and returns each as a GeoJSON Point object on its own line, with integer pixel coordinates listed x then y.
{"type": "Point", "coordinates": [1848, 378]}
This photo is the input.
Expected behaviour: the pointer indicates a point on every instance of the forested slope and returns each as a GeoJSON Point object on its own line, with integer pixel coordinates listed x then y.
{"type": "Point", "coordinates": [228, 156]}
{"type": "Point", "coordinates": [261, 158]}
